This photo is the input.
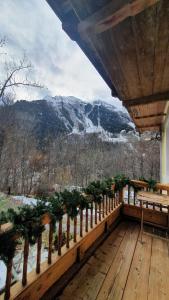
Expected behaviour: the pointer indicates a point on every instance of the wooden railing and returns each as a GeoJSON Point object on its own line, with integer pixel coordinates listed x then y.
{"type": "Point", "coordinates": [92, 223]}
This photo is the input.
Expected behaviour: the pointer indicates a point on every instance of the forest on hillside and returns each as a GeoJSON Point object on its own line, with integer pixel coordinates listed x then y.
{"type": "Point", "coordinates": [27, 167]}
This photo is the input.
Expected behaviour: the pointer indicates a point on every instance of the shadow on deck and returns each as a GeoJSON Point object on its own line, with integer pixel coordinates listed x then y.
{"type": "Point", "coordinates": [124, 268]}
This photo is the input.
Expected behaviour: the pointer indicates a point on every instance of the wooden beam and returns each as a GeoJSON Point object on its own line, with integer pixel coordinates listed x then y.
{"type": "Point", "coordinates": [98, 24]}
{"type": "Point", "coordinates": [150, 116]}
{"type": "Point", "coordinates": [147, 99]}
{"type": "Point", "coordinates": [149, 126]}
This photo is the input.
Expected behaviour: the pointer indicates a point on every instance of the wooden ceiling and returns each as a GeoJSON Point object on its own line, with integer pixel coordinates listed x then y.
{"type": "Point", "coordinates": [128, 43]}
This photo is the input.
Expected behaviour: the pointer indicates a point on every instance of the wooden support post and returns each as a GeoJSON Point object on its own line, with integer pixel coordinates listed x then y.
{"type": "Point", "coordinates": [121, 196]}
{"type": "Point", "coordinates": [134, 196]}
{"type": "Point", "coordinates": [106, 205]}
{"type": "Point", "coordinates": [81, 222]}
{"type": "Point", "coordinates": [8, 279]}
{"type": "Point", "coordinates": [99, 211]}
{"type": "Point", "coordinates": [86, 227]}
{"type": "Point", "coordinates": [75, 229]}
{"type": "Point", "coordinates": [60, 237]}
{"type": "Point", "coordinates": [25, 262]}
{"type": "Point", "coordinates": [50, 243]}
{"type": "Point", "coordinates": [68, 231]}
{"type": "Point", "coordinates": [109, 204]}
{"type": "Point", "coordinates": [95, 213]}
{"type": "Point", "coordinates": [103, 205]}
{"type": "Point", "coordinates": [39, 246]}
{"type": "Point", "coordinates": [91, 216]}
{"type": "Point", "coordinates": [128, 194]}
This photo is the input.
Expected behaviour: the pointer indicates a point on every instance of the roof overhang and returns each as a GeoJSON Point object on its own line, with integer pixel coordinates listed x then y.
{"type": "Point", "coordinates": [128, 43]}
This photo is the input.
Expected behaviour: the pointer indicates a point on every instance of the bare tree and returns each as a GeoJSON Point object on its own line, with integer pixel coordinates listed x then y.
{"type": "Point", "coordinates": [17, 73]}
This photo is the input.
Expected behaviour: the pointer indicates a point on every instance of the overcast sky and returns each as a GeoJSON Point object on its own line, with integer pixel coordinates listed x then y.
{"type": "Point", "coordinates": [32, 27]}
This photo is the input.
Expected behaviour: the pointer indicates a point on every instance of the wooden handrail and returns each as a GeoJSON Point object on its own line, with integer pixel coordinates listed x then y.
{"type": "Point", "coordinates": [84, 228]}
{"type": "Point", "coordinates": [158, 186]}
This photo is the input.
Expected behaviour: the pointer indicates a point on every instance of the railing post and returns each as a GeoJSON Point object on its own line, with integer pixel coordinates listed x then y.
{"type": "Point", "coordinates": [81, 222]}
{"type": "Point", "coordinates": [25, 262]}
{"type": "Point", "coordinates": [68, 231]}
{"type": "Point", "coordinates": [121, 199]}
{"type": "Point", "coordinates": [39, 246]}
{"type": "Point", "coordinates": [50, 243]}
{"type": "Point", "coordinates": [95, 213]}
{"type": "Point", "coordinates": [91, 216]}
{"type": "Point", "coordinates": [103, 205]}
{"type": "Point", "coordinates": [86, 228]}
{"type": "Point", "coordinates": [8, 279]}
{"type": "Point", "coordinates": [75, 229]}
{"type": "Point", "coordinates": [99, 211]}
{"type": "Point", "coordinates": [60, 237]}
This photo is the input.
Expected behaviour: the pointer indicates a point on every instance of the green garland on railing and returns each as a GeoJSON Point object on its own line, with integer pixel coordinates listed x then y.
{"type": "Point", "coordinates": [151, 182]}
{"type": "Point", "coordinates": [94, 192]}
{"type": "Point", "coordinates": [120, 182]}
{"type": "Point", "coordinates": [26, 222]}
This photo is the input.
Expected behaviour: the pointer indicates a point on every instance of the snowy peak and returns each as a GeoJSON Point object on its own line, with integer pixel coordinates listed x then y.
{"type": "Point", "coordinates": [89, 117]}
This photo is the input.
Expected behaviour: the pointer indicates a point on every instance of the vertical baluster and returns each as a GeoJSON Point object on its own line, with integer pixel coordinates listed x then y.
{"type": "Point", "coordinates": [95, 213]}
{"type": "Point", "coordinates": [112, 202]}
{"type": "Point", "coordinates": [60, 237]}
{"type": "Point", "coordinates": [81, 222]}
{"type": "Point", "coordinates": [134, 196]}
{"type": "Point", "coordinates": [25, 261]}
{"type": "Point", "coordinates": [100, 211]}
{"type": "Point", "coordinates": [146, 204]}
{"type": "Point", "coordinates": [106, 204]}
{"type": "Point", "coordinates": [128, 194]}
{"type": "Point", "coordinates": [91, 216]}
{"type": "Point", "coordinates": [109, 205]}
{"type": "Point", "coordinates": [39, 246]}
{"type": "Point", "coordinates": [68, 231]}
{"type": "Point", "coordinates": [115, 195]}
{"type": "Point", "coordinates": [86, 228]}
{"type": "Point", "coordinates": [75, 229]}
{"type": "Point", "coordinates": [153, 206]}
{"type": "Point", "coordinates": [103, 205]}
{"type": "Point", "coordinates": [50, 243]}
{"type": "Point", "coordinates": [8, 279]}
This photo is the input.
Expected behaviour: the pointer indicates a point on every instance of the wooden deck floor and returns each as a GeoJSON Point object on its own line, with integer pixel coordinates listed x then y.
{"type": "Point", "coordinates": [124, 268]}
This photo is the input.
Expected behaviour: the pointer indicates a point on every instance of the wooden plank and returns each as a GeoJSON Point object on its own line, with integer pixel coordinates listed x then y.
{"type": "Point", "coordinates": [150, 216]}
{"type": "Point", "coordinates": [151, 116]}
{"type": "Point", "coordinates": [116, 278]}
{"type": "Point", "coordinates": [153, 198]}
{"type": "Point", "coordinates": [112, 20]}
{"type": "Point", "coordinates": [137, 283]}
{"type": "Point", "coordinates": [161, 47]}
{"type": "Point", "coordinates": [147, 99]}
{"type": "Point", "coordinates": [88, 281]}
{"type": "Point", "coordinates": [159, 271]}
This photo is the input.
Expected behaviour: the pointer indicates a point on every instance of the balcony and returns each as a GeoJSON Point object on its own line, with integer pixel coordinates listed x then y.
{"type": "Point", "coordinates": [105, 259]}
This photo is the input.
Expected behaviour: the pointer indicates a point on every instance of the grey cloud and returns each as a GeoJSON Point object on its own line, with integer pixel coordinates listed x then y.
{"type": "Point", "coordinates": [32, 26]}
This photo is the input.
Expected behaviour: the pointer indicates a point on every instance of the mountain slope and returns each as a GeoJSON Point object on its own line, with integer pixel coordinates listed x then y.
{"type": "Point", "coordinates": [58, 115]}
{"type": "Point", "coordinates": [80, 116]}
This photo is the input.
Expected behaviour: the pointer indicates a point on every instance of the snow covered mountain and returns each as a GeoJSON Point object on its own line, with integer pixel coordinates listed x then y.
{"type": "Point", "coordinates": [79, 116]}
{"type": "Point", "coordinates": [57, 115]}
